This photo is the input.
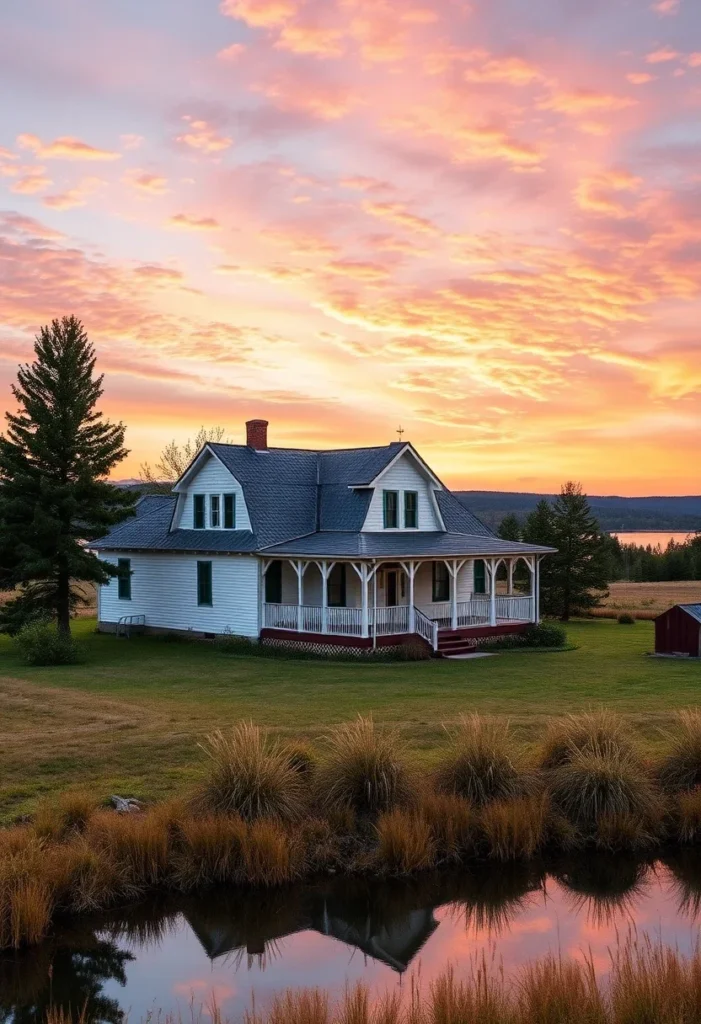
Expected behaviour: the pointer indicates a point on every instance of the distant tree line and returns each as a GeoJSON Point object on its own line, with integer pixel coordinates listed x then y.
{"type": "Point", "coordinates": [640, 564]}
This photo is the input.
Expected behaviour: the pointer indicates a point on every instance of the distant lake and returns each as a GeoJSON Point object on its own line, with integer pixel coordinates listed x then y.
{"type": "Point", "coordinates": [653, 537]}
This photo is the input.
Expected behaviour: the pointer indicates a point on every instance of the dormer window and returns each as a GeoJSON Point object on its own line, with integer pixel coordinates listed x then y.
{"type": "Point", "coordinates": [411, 510]}
{"type": "Point", "coordinates": [214, 511]}
{"type": "Point", "coordinates": [390, 506]}
{"type": "Point", "coordinates": [198, 512]}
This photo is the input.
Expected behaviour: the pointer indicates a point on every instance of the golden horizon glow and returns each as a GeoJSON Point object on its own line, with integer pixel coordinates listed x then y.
{"type": "Point", "coordinates": [481, 222]}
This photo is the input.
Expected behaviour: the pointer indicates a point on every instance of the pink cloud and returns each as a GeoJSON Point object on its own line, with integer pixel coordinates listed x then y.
{"type": "Point", "coordinates": [640, 78]}
{"type": "Point", "coordinates": [663, 55]}
{"type": "Point", "coordinates": [145, 181]}
{"type": "Point", "coordinates": [64, 148]}
{"type": "Point", "coordinates": [189, 222]}
{"type": "Point", "coordinates": [203, 136]}
{"type": "Point", "coordinates": [31, 182]}
{"type": "Point", "coordinates": [259, 13]}
{"type": "Point", "coordinates": [666, 7]}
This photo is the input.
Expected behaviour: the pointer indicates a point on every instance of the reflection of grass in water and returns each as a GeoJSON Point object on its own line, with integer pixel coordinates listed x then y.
{"type": "Point", "coordinates": [145, 924]}
{"type": "Point", "coordinates": [602, 887]}
{"type": "Point", "coordinates": [491, 898]}
{"type": "Point", "coordinates": [684, 867]}
{"type": "Point", "coordinates": [272, 951]}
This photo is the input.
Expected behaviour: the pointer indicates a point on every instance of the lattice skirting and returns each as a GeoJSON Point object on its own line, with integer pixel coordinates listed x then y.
{"type": "Point", "coordinates": [330, 649]}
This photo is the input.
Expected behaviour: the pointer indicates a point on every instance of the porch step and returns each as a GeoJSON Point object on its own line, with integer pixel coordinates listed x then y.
{"type": "Point", "coordinates": [450, 646]}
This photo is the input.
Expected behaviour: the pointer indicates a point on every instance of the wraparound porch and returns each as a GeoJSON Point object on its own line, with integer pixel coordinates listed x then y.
{"type": "Point", "coordinates": [395, 598]}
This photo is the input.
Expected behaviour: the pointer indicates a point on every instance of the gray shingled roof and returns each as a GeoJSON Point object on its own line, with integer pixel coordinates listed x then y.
{"type": "Point", "coordinates": [293, 493]}
{"type": "Point", "coordinates": [401, 545]}
{"type": "Point", "coordinates": [692, 609]}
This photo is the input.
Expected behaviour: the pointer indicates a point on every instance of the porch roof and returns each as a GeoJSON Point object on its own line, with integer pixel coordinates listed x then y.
{"type": "Point", "coordinates": [401, 545]}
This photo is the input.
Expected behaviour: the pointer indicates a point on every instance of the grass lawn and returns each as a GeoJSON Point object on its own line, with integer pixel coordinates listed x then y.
{"type": "Point", "coordinates": [128, 718]}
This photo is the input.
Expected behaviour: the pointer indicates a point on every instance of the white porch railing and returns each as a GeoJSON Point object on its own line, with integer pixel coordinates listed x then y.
{"type": "Point", "coordinates": [396, 619]}
{"type": "Point", "coordinates": [386, 621]}
{"type": "Point", "coordinates": [426, 628]}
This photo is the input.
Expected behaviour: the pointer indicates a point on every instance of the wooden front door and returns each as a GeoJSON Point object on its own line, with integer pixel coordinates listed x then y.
{"type": "Point", "coordinates": [391, 596]}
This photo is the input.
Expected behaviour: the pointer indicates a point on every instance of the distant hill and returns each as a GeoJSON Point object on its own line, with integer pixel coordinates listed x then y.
{"type": "Point", "coordinates": [613, 513]}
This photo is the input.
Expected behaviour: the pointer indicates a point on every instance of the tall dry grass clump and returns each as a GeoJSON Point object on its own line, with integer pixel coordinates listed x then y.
{"type": "Point", "coordinates": [452, 824]}
{"type": "Point", "coordinates": [364, 769]}
{"type": "Point", "coordinates": [680, 768]}
{"type": "Point", "coordinates": [251, 776]}
{"type": "Point", "coordinates": [515, 829]}
{"type": "Point", "coordinates": [557, 991]}
{"type": "Point", "coordinates": [591, 730]}
{"type": "Point", "coordinates": [603, 780]}
{"type": "Point", "coordinates": [209, 851]}
{"type": "Point", "coordinates": [483, 763]}
{"type": "Point", "coordinates": [405, 843]}
{"type": "Point", "coordinates": [57, 817]}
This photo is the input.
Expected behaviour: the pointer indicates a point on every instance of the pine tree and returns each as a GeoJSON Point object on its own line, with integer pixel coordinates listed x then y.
{"type": "Point", "coordinates": [510, 528]}
{"type": "Point", "coordinates": [539, 528]}
{"type": "Point", "coordinates": [579, 570]}
{"type": "Point", "coordinates": [54, 463]}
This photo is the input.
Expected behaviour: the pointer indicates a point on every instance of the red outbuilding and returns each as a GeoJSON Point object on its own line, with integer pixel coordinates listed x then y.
{"type": "Point", "coordinates": [678, 631]}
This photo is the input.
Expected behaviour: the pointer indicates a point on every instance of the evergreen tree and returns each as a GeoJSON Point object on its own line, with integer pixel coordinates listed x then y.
{"type": "Point", "coordinates": [579, 570]}
{"type": "Point", "coordinates": [539, 528]}
{"type": "Point", "coordinates": [510, 528]}
{"type": "Point", "coordinates": [54, 461]}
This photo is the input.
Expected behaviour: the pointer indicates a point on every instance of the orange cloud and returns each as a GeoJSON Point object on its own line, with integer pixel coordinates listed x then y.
{"type": "Point", "coordinates": [188, 222]}
{"type": "Point", "coordinates": [144, 181]}
{"type": "Point", "coordinates": [509, 70]}
{"type": "Point", "coordinates": [203, 137]}
{"type": "Point", "coordinates": [34, 181]}
{"type": "Point", "coordinates": [259, 13]}
{"type": "Point", "coordinates": [662, 56]}
{"type": "Point", "coordinates": [585, 101]}
{"type": "Point", "coordinates": [640, 78]}
{"type": "Point", "coordinates": [72, 197]}
{"type": "Point", "coordinates": [397, 213]}
{"type": "Point", "coordinates": [65, 148]}
{"type": "Point", "coordinates": [358, 270]}
{"type": "Point", "coordinates": [310, 39]}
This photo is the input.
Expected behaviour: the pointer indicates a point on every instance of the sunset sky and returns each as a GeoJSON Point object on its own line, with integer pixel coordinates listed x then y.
{"type": "Point", "coordinates": [480, 220]}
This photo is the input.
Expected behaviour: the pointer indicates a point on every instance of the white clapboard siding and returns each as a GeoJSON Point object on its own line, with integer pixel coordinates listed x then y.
{"type": "Point", "coordinates": [214, 478]}
{"type": "Point", "coordinates": [404, 475]}
{"type": "Point", "coordinates": [164, 589]}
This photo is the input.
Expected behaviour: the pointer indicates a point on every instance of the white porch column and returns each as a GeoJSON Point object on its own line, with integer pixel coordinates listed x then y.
{"type": "Point", "coordinates": [510, 566]}
{"type": "Point", "coordinates": [411, 568]}
{"type": "Point", "coordinates": [493, 565]}
{"type": "Point", "coordinates": [454, 568]}
{"type": "Point", "coordinates": [362, 569]}
{"type": "Point", "coordinates": [325, 568]}
{"type": "Point", "coordinates": [535, 588]}
{"type": "Point", "coordinates": [300, 568]}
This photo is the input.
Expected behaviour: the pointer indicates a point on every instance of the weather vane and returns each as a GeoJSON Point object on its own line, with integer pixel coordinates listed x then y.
{"type": "Point", "coordinates": [400, 431]}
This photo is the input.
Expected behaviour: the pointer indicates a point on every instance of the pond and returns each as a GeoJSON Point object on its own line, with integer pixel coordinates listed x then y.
{"type": "Point", "coordinates": [230, 945]}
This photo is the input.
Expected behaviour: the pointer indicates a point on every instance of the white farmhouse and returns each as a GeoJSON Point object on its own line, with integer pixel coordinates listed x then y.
{"type": "Point", "coordinates": [357, 547]}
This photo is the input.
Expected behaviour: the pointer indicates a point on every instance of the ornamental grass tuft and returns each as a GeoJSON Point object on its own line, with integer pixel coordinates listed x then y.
{"type": "Point", "coordinates": [364, 769]}
{"type": "Point", "coordinates": [680, 769]}
{"type": "Point", "coordinates": [483, 764]}
{"type": "Point", "coordinates": [588, 731]}
{"type": "Point", "coordinates": [603, 779]}
{"type": "Point", "coordinates": [251, 776]}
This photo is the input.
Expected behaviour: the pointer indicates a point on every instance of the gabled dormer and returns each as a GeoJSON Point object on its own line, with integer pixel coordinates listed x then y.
{"type": "Point", "coordinates": [209, 497]}
{"type": "Point", "coordinates": [404, 497]}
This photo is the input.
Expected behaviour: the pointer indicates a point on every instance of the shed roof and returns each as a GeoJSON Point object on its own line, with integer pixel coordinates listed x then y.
{"type": "Point", "coordinates": [694, 610]}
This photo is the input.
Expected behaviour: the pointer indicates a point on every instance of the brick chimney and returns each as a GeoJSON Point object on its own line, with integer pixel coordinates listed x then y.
{"type": "Point", "coordinates": [257, 435]}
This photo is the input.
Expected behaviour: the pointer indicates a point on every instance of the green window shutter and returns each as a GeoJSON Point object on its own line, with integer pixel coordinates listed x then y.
{"type": "Point", "coordinates": [204, 583]}
{"type": "Point", "coordinates": [389, 510]}
{"type": "Point", "coordinates": [198, 511]}
{"type": "Point", "coordinates": [229, 511]}
{"type": "Point", "coordinates": [411, 510]}
{"type": "Point", "coordinates": [124, 579]}
{"type": "Point", "coordinates": [480, 584]}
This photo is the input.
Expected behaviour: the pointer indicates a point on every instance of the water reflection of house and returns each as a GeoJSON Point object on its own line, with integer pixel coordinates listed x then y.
{"type": "Point", "coordinates": [392, 933]}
